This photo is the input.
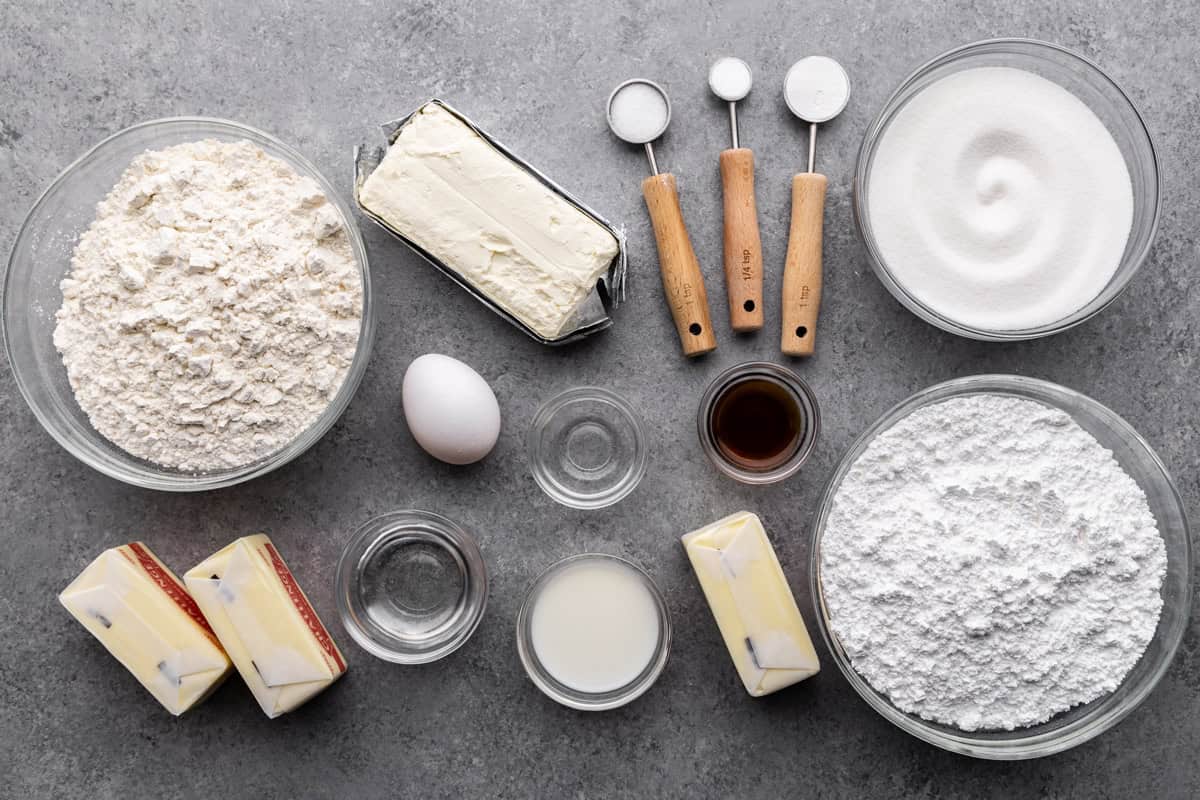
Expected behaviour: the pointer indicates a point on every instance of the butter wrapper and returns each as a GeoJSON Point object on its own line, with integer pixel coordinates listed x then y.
{"type": "Point", "coordinates": [146, 619]}
{"type": "Point", "coordinates": [592, 315]}
{"type": "Point", "coordinates": [752, 603]}
{"type": "Point", "coordinates": [268, 627]}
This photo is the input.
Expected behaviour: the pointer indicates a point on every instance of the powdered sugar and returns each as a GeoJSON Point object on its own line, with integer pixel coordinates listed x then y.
{"type": "Point", "coordinates": [988, 564]}
{"type": "Point", "coordinates": [212, 308]}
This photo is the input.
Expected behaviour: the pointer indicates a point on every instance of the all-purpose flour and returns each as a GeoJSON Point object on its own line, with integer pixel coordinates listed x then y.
{"type": "Point", "coordinates": [212, 308]}
{"type": "Point", "coordinates": [988, 564]}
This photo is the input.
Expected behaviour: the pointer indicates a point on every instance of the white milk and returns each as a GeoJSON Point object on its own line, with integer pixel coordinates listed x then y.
{"type": "Point", "coordinates": [595, 626]}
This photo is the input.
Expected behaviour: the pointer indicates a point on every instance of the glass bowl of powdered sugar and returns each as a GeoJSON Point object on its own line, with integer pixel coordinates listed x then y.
{"type": "Point", "coordinates": [188, 305]}
{"type": "Point", "coordinates": [1001, 567]}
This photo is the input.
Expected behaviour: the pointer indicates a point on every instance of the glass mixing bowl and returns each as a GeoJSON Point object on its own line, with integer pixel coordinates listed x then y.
{"type": "Point", "coordinates": [41, 256]}
{"type": "Point", "coordinates": [1079, 724]}
{"type": "Point", "coordinates": [1090, 84]}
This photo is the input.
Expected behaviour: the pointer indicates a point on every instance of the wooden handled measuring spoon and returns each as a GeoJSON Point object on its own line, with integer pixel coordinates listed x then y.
{"type": "Point", "coordinates": [639, 112]}
{"type": "Point", "coordinates": [816, 90]}
{"type": "Point", "coordinates": [730, 79]}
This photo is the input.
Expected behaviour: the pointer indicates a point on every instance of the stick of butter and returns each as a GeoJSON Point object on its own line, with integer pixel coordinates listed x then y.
{"type": "Point", "coordinates": [145, 617]}
{"type": "Point", "coordinates": [488, 219]}
{"type": "Point", "coordinates": [754, 608]}
{"type": "Point", "coordinates": [266, 624]}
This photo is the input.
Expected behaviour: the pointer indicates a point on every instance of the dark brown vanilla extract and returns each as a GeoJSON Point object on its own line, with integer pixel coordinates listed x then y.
{"type": "Point", "coordinates": [757, 424]}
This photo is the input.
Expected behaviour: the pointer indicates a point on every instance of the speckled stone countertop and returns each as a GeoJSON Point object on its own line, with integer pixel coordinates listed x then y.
{"type": "Point", "coordinates": [321, 75]}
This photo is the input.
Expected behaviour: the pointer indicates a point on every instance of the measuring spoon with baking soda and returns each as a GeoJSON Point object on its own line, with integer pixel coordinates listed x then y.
{"type": "Point", "coordinates": [816, 90]}
{"type": "Point", "coordinates": [639, 112]}
{"type": "Point", "coordinates": [730, 79]}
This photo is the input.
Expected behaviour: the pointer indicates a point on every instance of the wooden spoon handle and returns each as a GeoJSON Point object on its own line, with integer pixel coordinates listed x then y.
{"type": "Point", "coordinates": [681, 276]}
{"type": "Point", "coordinates": [743, 247]}
{"type": "Point", "coordinates": [802, 268]}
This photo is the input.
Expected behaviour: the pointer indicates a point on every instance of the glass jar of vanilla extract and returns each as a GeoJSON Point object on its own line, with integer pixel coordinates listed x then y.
{"type": "Point", "coordinates": [758, 422]}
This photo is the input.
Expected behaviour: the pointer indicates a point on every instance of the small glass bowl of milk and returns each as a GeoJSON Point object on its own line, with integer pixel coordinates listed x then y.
{"type": "Point", "coordinates": [593, 632]}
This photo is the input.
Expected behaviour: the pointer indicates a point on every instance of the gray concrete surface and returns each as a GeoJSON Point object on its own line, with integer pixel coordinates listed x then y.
{"type": "Point", "coordinates": [321, 75]}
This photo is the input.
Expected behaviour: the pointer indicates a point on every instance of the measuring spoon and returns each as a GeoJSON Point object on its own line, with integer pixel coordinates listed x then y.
{"type": "Point", "coordinates": [638, 112]}
{"type": "Point", "coordinates": [816, 90]}
{"type": "Point", "coordinates": [730, 79]}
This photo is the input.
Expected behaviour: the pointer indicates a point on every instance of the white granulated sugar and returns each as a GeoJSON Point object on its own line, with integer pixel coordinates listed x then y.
{"type": "Point", "coordinates": [212, 308]}
{"type": "Point", "coordinates": [988, 564]}
{"type": "Point", "coordinates": [999, 199]}
{"type": "Point", "coordinates": [638, 112]}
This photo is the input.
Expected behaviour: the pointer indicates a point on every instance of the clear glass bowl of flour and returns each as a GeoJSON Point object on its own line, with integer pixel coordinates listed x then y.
{"type": "Point", "coordinates": [1082, 78]}
{"type": "Point", "coordinates": [41, 256]}
{"type": "Point", "coordinates": [1079, 724]}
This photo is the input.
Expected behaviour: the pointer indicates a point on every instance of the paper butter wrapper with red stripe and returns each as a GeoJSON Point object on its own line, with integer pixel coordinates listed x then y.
{"type": "Point", "coordinates": [266, 624]}
{"type": "Point", "coordinates": [144, 616]}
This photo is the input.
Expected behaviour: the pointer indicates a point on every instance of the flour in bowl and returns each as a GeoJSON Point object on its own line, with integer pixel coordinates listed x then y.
{"type": "Point", "coordinates": [212, 309]}
{"type": "Point", "coordinates": [988, 564]}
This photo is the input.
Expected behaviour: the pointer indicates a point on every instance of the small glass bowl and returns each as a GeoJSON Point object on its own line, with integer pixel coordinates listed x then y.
{"type": "Point", "coordinates": [806, 403]}
{"type": "Point", "coordinates": [1077, 725]}
{"type": "Point", "coordinates": [412, 587]}
{"type": "Point", "coordinates": [1084, 79]}
{"type": "Point", "coordinates": [41, 257]}
{"type": "Point", "coordinates": [587, 448]}
{"type": "Point", "coordinates": [574, 698]}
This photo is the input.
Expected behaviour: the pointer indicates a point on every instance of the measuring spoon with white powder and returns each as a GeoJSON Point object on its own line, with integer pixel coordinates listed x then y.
{"type": "Point", "coordinates": [816, 90]}
{"type": "Point", "coordinates": [730, 79]}
{"type": "Point", "coordinates": [638, 112]}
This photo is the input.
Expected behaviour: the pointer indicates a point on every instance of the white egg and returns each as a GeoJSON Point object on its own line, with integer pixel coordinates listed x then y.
{"type": "Point", "coordinates": [450, 409]}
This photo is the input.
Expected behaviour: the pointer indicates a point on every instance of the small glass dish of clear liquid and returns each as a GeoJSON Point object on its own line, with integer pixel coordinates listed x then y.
{"type": "Point", "coordinates": [587, 448]}
{"type": "Point", "coordinates": [411, 586]}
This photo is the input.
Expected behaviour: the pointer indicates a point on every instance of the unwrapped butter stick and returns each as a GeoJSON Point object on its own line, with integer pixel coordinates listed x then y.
{"type": "Point", "coordinates": [489, 220]}
{"type": "Point", "coordinates": [145, 617]}
{"type": "Point", "coordinates": [754, 608]}
{"type": "Point", "coordinates": [266, 624]}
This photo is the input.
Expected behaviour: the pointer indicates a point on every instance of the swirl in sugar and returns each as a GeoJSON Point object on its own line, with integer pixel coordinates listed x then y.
{"type": "Point", "coordinates": [1000, 200]}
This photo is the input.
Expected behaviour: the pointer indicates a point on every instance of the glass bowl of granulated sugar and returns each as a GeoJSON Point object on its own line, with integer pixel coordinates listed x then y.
{"type": "Point", "coordinates": [1001, 567]}
{"type": "Point", "coordinates": [1008, 190]}
{"type": "Point", "coordinates": [188, 305]}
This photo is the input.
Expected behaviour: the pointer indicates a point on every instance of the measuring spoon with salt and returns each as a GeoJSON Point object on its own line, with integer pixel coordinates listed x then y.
{"type": "Point", "coordinates": [816, 90]}
{"type": "Point", "coordinates": [638, 112]}
{"type": "Point", "coordinates": [730, 79]}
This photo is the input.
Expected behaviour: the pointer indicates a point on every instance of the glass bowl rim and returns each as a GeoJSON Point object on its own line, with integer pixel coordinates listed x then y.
{"type": "Point", "coordinates": [588, 701]}
{"type": "Point", "coordinates": [632, 477]}
{"type": "Point", "coordinates": [870, 142]}
{"type": "Point", "coordinates": [1035, 745]}
{"type": "Point", "coordinates": [128, 468]}
{"type": "Point", "coordinates": [453, 537]}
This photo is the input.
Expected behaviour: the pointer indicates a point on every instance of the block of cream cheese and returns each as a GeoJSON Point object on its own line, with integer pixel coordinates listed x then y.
{"type": "Point", "coordinates": [489, 219]}
{"type": "Point", "coordinates": [145, 617]}
{"type": "Point", "coordinates": [749, 596]}
{"type": "Point", "coordinates": [266, 624]}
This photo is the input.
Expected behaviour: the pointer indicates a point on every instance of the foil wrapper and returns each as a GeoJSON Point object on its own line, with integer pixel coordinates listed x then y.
{"type": "Point", "coordinates": [592, 315]}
